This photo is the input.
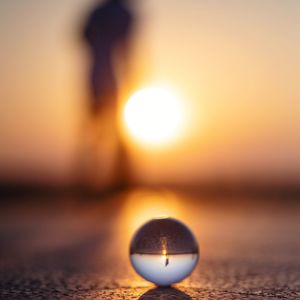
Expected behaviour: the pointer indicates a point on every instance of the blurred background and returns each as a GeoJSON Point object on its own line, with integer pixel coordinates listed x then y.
{"type": "Point", "coordinates": [235, 65]}
{"type": "Point", "coordinates": [205, 128]}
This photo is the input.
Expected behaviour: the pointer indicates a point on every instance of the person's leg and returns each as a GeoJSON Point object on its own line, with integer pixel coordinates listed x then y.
{"type": "Point", "coordinates": [121, 169]}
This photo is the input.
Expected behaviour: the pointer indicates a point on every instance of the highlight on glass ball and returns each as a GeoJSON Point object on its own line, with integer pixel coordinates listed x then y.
{"type": "Point", "coordinates": [164, 251]}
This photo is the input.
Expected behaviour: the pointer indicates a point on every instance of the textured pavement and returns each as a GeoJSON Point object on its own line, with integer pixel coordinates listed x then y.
{"type": "Point", "coordinates": [60, 248]}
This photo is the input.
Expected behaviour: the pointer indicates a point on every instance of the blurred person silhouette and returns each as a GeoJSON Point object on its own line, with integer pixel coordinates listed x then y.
{"type": "Point", "coordinates": [107, 33]}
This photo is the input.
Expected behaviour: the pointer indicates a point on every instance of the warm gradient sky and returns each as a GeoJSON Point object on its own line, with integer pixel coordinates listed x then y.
{"type": "Point", "coordinates": [236, 63]}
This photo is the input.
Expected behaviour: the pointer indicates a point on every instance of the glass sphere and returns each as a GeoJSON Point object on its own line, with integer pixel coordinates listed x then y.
{"type": "Point", "coordinates": [164, 251]}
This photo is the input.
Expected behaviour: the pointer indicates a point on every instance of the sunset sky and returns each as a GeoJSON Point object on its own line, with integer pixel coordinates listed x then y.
{"type": "Point", "coordinates": [235, 63]}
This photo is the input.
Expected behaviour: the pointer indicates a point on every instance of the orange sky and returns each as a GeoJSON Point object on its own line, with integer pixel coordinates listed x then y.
{"type": "Point", "coordinates": [237, 63]}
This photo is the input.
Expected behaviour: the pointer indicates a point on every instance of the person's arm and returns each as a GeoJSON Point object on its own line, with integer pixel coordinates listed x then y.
{"type": "Point", "coordinates": [88, 29]}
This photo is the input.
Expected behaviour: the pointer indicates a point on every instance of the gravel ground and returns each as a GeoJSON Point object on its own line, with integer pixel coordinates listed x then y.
{"type": "Point", "coordinates": [78, 248]}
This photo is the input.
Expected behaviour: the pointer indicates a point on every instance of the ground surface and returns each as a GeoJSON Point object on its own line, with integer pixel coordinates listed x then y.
{"type": "Point", "coordinates": [78, 248]}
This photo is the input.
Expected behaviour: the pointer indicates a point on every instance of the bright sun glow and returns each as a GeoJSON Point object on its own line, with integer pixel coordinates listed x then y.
{"type": "Point", "coordinates": [154, 115]}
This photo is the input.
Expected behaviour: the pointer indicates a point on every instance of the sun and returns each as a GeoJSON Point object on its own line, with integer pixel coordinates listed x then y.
{"type": "Point", "coordinates": [154, 115]}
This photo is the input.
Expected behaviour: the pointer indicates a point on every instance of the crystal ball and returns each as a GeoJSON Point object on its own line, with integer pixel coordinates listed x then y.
{"type": "Point", "coordinates": [164, 251]}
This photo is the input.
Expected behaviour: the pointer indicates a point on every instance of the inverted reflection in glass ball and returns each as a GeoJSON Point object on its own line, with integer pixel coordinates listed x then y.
{"type": "Point", "coordinates": [164, 251]}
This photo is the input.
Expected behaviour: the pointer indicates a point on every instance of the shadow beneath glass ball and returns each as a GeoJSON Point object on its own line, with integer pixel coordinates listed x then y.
{"type": "Point", "coordinates": [166, 293]}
